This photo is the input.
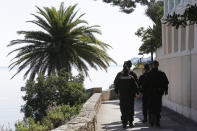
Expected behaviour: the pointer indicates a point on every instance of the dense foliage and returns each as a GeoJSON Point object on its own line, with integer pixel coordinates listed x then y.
{"type": "Point", "coordinates": [64, 41]}
{"type": "Point", "coordinates": [127, 6]}
{"type": "Point", "coordinates": [111, 86]}
{"type": "Point", "coordinates": [56, 116]}
{"type": "Point", "coordinates": [188, 17]}
{"type": "Point", "coordinates": [53, 90]}
{"type": "Point", "coordinates": [152, 36]}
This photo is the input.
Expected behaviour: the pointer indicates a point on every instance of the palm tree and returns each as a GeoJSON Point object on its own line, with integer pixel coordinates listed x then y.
{"type": "Point", "coordinates": [64, 42]}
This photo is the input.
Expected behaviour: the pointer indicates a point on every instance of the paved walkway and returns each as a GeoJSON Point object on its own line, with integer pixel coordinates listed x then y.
{"type": "Point", "coordinates": [109, 119]}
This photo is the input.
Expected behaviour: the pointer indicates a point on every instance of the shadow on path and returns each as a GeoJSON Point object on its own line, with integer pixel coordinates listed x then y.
{"type": "Point", "coordinates": [109, 119]}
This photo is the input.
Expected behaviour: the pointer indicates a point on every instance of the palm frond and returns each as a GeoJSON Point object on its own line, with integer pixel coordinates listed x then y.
{"type": "Point", "coordinates": [64, 41]}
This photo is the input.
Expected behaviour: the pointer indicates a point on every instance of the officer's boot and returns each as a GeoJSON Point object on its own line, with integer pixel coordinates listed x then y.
{"type": "Point", "coordinates": [149, 117]}
{"type": "Point", "coordinates": [131, 123]}
{"type": "Point", "coordinates": [158, 121]}
{"type": "Point", "coordinates": [124, 126]}
{"type": "Point", "coordinates": [152, 120]}
{"type": "Point", "coordinates": [145, 119]}
{"type": "Point", "coordinates": [124, 122]}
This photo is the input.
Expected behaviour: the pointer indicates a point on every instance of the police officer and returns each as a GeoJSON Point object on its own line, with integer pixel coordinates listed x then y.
{"type": "Point", "coordinates": [158, 84]}
{"type": "Point", "coordinates": [126, 88]}
{"type": "Point", "coordinates": [145, 92]}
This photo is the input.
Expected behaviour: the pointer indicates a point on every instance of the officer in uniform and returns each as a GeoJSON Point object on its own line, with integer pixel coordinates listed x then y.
{"type": "Point", "coordinates": [126, 88]}
{"type": "Point", "coordinates": [158, 84]}
{"type": "Point", "coordinates": [145, 92]}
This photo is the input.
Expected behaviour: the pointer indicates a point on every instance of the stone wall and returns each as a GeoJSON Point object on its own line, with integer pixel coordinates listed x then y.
{"type": "Point", "coordinates": [94, 90]}
{"type": "Point", "coordinates": [108, 95]}
{"type": "Point", "coordinates": [86, 119]}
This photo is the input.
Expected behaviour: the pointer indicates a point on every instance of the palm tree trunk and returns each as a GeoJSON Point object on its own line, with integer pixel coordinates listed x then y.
{"type": "Point", "coordinates": [151, 55]}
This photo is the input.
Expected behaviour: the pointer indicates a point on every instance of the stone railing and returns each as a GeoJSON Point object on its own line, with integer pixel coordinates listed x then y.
{"type": "Point", "coordinates": [108, 95]}
{"type": "Point", "coordinates": [86, 119]}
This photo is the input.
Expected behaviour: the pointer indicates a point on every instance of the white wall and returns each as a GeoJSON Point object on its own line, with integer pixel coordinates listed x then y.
{"type": "Point", "coordinates": [182, 73]}
{"type": "Point", "coordinates": [180, 66]}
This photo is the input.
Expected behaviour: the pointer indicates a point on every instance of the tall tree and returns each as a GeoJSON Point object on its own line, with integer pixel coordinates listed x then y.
{"type": "Point", "coordinates": [65, 41]}
{"type": "Point", "coordinates": [154, 12]}
{"type": "Point", "coordinates": [127, 6]}
{"type": "Point", "coordinates": [151, 37]}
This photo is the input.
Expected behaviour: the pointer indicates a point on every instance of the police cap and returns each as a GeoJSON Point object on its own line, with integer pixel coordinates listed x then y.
{"type": "Point", "coordinates": [127, 63]}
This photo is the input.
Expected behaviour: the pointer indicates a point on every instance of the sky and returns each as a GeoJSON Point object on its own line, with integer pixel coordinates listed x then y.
{"type": "Point", "coordinates": [118, 30]}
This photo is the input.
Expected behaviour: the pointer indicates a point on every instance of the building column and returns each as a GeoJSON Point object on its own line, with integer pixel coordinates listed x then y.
{"type": "Point", "coordinates": [173, 39]}
{"type": "Point", "coordinates": [163, 39]}
{"type": "Point", "coordinates": [195, 37]}
{"type": "Point", "coordinates": [179, 40]}
{"type": "Point", "coordinates": [187, 39]}
{"type": "Point", "coordinates": [167, 39]}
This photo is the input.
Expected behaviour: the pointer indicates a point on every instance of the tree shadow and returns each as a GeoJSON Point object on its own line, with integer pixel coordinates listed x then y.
{"type": "Point", "coordinates": [117, 126]}
{"type": "Point", "coordinates": [113, 126]}
{"type": "Point", "coordinates": [170, 120]}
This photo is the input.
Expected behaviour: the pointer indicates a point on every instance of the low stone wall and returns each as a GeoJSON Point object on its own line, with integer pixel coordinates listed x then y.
{"type": "Point", "coordinates": [109, 95]}
{"type": "Point", "coordinates": [86, 119]}
{"type": "Point", "coordinates": [91, 91]}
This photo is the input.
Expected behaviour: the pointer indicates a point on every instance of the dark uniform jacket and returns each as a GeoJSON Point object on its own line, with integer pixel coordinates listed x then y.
{"type": "Point", "coordinates": [158, 85]}
{"type": "Point", "coordinates": [134, 76]}
{"type": "Point", "coordinates": [143, 80]}
{"type": "Point", "coordinates": [157, 82]}
{"type": "Point", "coordinates": [125, 84]}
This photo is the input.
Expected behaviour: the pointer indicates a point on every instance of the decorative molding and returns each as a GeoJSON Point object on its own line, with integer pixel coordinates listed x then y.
{"type": "Point", "coordinates": [178, 54]}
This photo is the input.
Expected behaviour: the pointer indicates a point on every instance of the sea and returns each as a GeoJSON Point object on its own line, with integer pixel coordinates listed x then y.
{"type": "Point", "coordinates": [11, 95]}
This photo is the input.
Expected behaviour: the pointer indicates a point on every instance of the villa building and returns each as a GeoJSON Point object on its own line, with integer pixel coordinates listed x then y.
{"type": "Point", "coordinates": [178, 59]}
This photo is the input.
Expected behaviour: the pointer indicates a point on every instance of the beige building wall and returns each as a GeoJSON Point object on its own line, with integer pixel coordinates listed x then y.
{"type": "Point", "coordinates": [178, 59]}
{"type": "Point", "coordinates": [182, 73]}
{"type": "Point", "coordinates": [175, 39]}
{"type": "Point", "coordinates": [183, 35]}
{"type": "Point", "coordinates": [191, 37]}
{"type": "Point", "coordinates": [164, 38]}
{"type": "Point", "coordinates": [169, 39]}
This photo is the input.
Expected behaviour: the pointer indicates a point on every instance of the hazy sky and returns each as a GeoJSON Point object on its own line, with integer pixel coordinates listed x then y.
{"type": "Point", "coordinates": [117, 28]}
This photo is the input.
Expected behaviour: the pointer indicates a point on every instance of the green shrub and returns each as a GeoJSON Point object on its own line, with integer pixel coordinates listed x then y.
{"type": "Point", "coordinates": [30, 125]}
{"type": "Point", "coordinates": [56, 116]}
{"type": "Point", "coordinates": [61, 114]}
{"type": "Point", "coordinates": [63, 89]}
{"type": "Point", "coordinates": [112, 86]}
